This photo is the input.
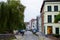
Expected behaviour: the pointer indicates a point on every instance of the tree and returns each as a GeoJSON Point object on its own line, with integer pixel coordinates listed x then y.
{"type": "Point", "coordinates": [57, 18]}
{"type": "Point", "coordinates": [11, 16]}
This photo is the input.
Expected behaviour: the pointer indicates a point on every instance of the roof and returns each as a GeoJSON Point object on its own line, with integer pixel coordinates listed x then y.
{"type": "Point", "coordinates": [42, 6]}
{"type": "Point", "coordinates": [33, 20]}
{"type": "Point", "coordinates": [48, 1]}
{"type": "Point", "coordinates": [26, 23]}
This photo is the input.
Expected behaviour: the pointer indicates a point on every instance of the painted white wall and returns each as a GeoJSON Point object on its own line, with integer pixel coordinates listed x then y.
{"type": "Point", "coordinates": [30, 24]}
{"type": "Point", "coordinates": [28, 27]}
{"type": "Point", "coordinates": [53, 27]}
{"type": "Point", "coordinates": [34, 24]}
{"type": "Point", "coordinates": [46, 13]}
{"type": "Point", "coordinates": [49, 13]}
{"type": "Point", "coordinates": [51, 4]}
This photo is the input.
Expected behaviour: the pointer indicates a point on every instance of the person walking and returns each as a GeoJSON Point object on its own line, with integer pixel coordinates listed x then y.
{"type": "Point", "coordinates": [21, 32]}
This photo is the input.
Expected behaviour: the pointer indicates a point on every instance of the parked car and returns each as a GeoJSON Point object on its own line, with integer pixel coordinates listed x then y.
{"type": "Point", "coordinates": [34, 30]}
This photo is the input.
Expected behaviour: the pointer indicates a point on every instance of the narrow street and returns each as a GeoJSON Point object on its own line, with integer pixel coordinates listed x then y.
{"type": "Point", "coordinates": [29, 36]}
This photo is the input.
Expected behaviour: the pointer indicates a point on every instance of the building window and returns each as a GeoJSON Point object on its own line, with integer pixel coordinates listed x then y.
{"type": "Point", "coordinates": [33, 26]}
{"type": "Point", "coordinates": [55, 16]}
{"type": "Point", "coordinates": [57, 30]}
{"type": "Point", "coordinates": [49, 8]}
{"type": "Point", "coordinates": [49, 18]}
{"type": "Point", "coordinates": [44, 29]}
{"type": "Point", "coordinates": [55, 8]}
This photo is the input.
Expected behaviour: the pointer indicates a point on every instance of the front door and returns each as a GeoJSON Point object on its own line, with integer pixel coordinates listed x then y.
{"type": "Point", "coordinates": [57, 30]}
{"type": "Point", "coordinates": [49, 30]}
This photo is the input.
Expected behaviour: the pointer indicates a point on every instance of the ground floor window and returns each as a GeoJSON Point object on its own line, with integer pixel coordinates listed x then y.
{"type": "Point", "coordinates": [57, 30]}
{"type": "Point", "coordinates": [49, 29]}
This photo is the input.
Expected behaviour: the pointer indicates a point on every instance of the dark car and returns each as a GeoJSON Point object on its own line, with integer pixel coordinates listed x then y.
{"type": "Point", "coordinates": [21, 32]}
{"type": "Point", "coordinates": [34, 30]}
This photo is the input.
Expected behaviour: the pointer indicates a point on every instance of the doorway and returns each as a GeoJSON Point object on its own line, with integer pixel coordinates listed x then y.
{"type": "Point", "coordinates": [49, 29]}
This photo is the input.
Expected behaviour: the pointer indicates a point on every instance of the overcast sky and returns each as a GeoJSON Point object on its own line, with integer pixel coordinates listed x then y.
{"type": "Point", "coordinates": [32, 8]}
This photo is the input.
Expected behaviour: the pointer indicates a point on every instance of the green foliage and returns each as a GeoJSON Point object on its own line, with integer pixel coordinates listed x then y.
{"type": "Point", "coordinates": [56, 35]}
{"type": "Point", "coordinates": [57, 18]}
{"type": "Point", "coordinates": [11, 16]}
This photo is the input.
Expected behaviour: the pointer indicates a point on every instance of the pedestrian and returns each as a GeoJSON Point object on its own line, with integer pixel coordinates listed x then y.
{"type": "Point", "coordinates": [21, 32]}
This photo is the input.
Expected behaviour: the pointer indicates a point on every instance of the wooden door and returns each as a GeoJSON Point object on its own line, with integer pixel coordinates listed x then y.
{"type": "Point", "coordinates": [49, 30]}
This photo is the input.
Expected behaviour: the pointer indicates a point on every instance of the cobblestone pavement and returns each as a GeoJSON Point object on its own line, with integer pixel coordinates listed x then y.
{"type": "Point", "coordinates": [27, 36]}
{"type": "Point", "coordinates": [43, 37]}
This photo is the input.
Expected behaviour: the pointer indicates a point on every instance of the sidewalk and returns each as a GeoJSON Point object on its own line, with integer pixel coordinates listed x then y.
{"type": "Point", "coordinates": [19, 37]}
{"type": "Point", "coordinates": [42, 36]}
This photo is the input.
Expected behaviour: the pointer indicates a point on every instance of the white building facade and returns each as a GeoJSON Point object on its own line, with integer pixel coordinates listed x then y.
{"type": "Point", "coordinates": [33, 24]}
{"type": "Point", "coordinates": [28, 27]}
{"type": "Point", "coordinates": [50, 10]}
